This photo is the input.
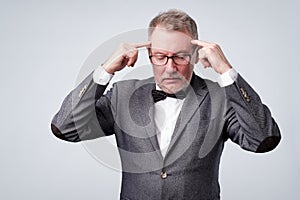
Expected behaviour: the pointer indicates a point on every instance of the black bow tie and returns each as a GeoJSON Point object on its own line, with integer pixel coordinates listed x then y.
{"type": "Point", "coordinates": [159, 95]}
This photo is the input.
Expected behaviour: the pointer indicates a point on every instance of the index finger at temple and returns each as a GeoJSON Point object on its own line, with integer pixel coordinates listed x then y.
{"type": "Point", "coordinates": [142, 44]}
{"type": "Point", "coordinates": [200, 43]}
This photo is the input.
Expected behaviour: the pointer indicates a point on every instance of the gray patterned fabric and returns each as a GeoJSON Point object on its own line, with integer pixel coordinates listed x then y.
{"type": "Point", "coordinates": [210, 116]}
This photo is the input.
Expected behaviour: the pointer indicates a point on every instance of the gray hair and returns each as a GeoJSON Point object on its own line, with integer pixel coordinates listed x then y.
{"type": "Point", "coordinates": [174, 20]}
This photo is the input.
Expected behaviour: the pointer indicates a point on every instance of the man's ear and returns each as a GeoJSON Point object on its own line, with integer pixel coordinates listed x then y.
{"type": "Point", "coordinates": [196, 57]}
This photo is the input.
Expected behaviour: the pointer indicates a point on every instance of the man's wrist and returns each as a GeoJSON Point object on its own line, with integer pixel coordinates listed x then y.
{"type": "Point", "coordinates": [107, 69]}
{"type": "Point", "coordinates": [227, 78]}
{"type": "Point", "coordinates": [101, 76]}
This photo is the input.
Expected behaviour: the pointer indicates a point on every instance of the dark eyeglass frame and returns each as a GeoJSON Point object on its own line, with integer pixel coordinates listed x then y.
{"type": "Point", "coordinates": [173, 57]}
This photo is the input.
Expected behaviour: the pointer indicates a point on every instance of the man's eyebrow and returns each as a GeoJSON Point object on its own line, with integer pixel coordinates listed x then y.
{"type": "Point", "coordinates": [158, 51]}
{"type": "Point", "coordinates": [182, 52]}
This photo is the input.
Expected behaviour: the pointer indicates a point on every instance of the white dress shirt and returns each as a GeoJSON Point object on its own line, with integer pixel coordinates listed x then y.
{"type": "Point", "coordinates": [166, 112]}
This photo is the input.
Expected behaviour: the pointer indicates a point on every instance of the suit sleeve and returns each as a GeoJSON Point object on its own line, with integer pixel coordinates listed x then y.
{"type": "Point", "coordinates": [248, 121]}
{"type": "Point", "coordinates": [78, 118]}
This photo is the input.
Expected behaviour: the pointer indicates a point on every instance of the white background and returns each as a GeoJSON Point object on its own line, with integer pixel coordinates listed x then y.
{"type": "Point", "coordinates": [43, 45]}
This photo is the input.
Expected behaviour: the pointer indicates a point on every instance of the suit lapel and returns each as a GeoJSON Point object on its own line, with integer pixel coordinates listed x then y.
{"type": "Point", "coordinates": [144, 106]}
{"type": "Point", "coordinates": [195, 96]}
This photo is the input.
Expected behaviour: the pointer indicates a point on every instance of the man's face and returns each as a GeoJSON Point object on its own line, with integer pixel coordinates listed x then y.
{"type": "Point", "coordinates": [172, 76]}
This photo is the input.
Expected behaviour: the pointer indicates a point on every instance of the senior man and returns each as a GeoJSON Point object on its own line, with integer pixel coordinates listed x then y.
{"type": "Point", "coordinates": [171, 128]}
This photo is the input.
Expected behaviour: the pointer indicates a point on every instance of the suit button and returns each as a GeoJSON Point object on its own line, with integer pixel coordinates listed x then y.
{"type": "Point", "coordinates": [163, 175]}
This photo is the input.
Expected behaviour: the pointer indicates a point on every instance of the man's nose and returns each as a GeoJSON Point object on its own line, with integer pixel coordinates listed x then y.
{"type": "Point", "coordinates": [171, 66]}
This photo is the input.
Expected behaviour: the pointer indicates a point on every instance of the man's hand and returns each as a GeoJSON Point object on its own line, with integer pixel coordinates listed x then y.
{"type": "Point", "coordinates": [211, 55]}
{"type": "Point", "coordinates": [124, 55]}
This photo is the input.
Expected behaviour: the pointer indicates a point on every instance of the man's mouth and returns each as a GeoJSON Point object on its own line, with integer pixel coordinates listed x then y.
{"type": "Point", "coordinates": [171, 80]}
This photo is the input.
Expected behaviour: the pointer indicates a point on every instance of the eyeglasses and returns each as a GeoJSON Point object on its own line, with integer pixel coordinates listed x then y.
{"type": "Point", "coordinates": [160, 59]}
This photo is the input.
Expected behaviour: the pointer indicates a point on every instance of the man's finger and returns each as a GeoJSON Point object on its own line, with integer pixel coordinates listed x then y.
{"type": "Point", "coordinates": [132, 60]}
{"type": "Point", "coordinates": [205, 63]}
{"type": "Point", "coordinates": [202, 52]}
{"type": "Point", "coordinates": [200, 43]}
{"type": "Point", "coordinates": [142, 44]}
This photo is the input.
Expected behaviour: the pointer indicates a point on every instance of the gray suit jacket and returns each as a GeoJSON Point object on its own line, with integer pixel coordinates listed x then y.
{"type": "Point", "coordinates": [210, 115]}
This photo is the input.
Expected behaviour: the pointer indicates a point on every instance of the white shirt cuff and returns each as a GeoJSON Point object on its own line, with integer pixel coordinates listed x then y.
{"type": "Point", "coordinates": [101, 76]}
{"type": "Point", "coordinates": [227, 78]}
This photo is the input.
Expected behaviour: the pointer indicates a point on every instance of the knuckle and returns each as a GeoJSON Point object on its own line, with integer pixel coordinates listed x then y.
{"type": "Point", "coordinates": [209, 50]}
{"type": "Point", "coordinates": [125, 46]}
{"type": "Point", "coordinates": [201, 53]}
{"type": "Point", "coordinates": [131, 52]}
{"type": "Point", "coordinates": [214, 45]}
{"type": "Point", "coordinates": [122, 44]}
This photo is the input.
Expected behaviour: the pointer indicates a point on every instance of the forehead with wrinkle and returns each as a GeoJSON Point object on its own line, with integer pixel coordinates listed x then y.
{"type": "Point", "coordinates": [170, 41]}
